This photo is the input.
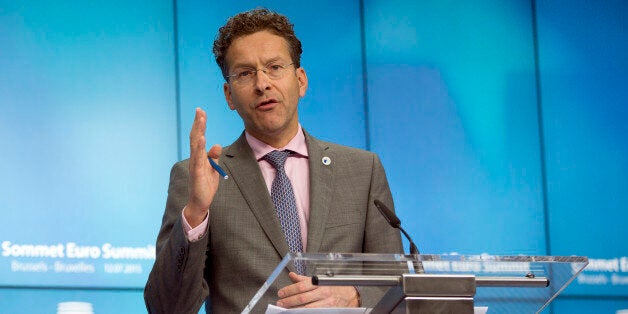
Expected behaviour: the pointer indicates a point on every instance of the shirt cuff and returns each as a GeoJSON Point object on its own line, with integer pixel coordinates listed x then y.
{"type": "Point", "coordinates": [194, 234]}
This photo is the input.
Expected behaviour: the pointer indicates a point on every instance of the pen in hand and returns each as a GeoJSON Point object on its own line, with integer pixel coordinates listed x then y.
{"type": "Point", "coordinates": [217, 167]}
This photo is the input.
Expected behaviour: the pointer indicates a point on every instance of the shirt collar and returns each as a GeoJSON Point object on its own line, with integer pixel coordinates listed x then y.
{"type": "Point", "coordinates": [260, 149]}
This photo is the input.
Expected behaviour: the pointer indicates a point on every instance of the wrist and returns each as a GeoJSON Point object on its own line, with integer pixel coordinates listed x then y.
{"type": "Point", "coordinates": [194, 216]}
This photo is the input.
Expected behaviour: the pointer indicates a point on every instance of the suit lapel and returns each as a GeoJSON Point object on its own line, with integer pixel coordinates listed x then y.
{"type": "Point", "coordinates": [245, 172]}
{"type": "Point", "coordinates": [321, 182]}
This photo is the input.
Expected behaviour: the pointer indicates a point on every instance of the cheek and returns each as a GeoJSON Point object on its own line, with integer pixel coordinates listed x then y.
{"type": "Point", "coordinates": [294, 91]}
{"type": "Point", "coordinates": [238, 102]}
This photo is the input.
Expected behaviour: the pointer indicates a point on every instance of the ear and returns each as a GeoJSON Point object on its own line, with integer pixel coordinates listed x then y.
{"type": "Point", "coordinates": [227, 90]}
{"type": "Point", "coordinates": [302, 78]}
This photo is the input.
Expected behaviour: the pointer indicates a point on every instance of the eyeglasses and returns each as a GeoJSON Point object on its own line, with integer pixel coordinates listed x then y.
{"type": "Point", "coordinates": [246, 76]}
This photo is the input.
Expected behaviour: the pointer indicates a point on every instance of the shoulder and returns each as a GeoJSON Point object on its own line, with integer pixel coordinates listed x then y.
{"type": "Point", "coordinates": [180, 168]}
{"type": "Point", "coordinates": [349, 151]}
{"type": "Point", "coordinates": [314, 142]}
{"type": "Point", "coordinates": [341, 153]}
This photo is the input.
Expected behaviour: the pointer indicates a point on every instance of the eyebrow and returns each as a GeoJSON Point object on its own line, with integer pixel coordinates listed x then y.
{"type": "Point", "coordinates": [248, 65]}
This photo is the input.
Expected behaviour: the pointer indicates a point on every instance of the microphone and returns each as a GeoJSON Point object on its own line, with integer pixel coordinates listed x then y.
{"type": "Point", "coordinates": [394, 222]}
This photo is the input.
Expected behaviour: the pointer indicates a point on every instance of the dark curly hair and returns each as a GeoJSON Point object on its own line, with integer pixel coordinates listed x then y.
{"type": "Point", "coordinates": [249, 22]}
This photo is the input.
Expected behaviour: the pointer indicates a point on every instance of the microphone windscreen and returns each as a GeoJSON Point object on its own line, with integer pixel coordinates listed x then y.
{"type": "Point", "coordinates": [388, 214]}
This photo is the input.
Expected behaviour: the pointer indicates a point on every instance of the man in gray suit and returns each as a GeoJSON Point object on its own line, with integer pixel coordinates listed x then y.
{"type": "Point", "coordinates": [221, 239]}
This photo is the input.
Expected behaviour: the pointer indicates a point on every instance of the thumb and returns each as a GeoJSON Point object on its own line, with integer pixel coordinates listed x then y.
{"type": "Point", "coordinates": [297, 278]}
{"type": "Point", "coordinates": [215, 151]}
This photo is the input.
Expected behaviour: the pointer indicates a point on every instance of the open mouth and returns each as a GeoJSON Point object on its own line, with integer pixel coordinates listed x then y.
{"type": "Point", "coordinates": [267, 104]}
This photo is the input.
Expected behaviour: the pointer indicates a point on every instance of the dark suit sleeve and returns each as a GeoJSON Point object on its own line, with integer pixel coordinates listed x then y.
{"type": "Point", "coordinates": [379, 236]}
{"type": "Point", "coordinates": [176, 283]}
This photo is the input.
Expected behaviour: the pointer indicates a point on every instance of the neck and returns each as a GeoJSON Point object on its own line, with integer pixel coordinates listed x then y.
{"type": "Point", "coordinates": [279, 140]}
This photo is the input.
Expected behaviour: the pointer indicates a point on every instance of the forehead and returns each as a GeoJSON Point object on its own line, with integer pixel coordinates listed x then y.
{"type": "Point", "coordinates": [257, 48]}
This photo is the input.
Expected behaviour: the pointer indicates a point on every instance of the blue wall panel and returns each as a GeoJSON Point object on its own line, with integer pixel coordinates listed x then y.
{"type": "Point", "coordinates": [46, 301]}
{"type": "Point", "coordinates": [452, 104]}
{"type": "Point", "coordinates": [584, 70]}
{"type": "Point", "coordinates": [590, 306]}
{"type": "Point", "coordinates": [88, 134]}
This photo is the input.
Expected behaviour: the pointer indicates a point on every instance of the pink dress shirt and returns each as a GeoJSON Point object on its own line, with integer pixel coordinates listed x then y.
{"type": "Point", "coordinates": [297, 169]}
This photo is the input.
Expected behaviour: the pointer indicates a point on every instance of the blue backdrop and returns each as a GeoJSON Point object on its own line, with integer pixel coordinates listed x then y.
{"type": "Point", "coordinates": [501, 127]}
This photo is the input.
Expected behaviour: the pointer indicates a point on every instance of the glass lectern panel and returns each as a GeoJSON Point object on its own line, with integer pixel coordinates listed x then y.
{"type": "Point", "coordinates": [504, 284]}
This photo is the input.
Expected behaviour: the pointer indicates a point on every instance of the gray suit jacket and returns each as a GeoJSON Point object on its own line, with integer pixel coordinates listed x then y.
{"type": "Point", "coordinates": [244, 242]}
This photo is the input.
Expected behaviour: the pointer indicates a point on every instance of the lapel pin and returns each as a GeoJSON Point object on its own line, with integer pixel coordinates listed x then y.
{"type": "Point", "coordinates": [326, 161]}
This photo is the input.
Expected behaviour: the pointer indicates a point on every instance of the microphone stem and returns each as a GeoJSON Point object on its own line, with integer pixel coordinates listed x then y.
{"type": "Point", "coordinates": [418, 266]}
{"type": "Point", "coordinates": [413, 249]}
{"type": "Point", "coordinates": [412, 246]}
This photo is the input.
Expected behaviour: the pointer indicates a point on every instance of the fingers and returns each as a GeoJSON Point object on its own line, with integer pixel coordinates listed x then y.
{"type": "Point", "coordinates": [293, 295]}
{"type": "Point", "coordinates": [203, 179]}
{"type": "Point", "coordinates": [198, 141]}
{"type": "Point", "coordinates": [301, 284]}
{"type": "Point", "coordinates": [302, 293]}
{"type": "Point", "coordinates": [297, 278]}
{"type": "Point", "coordinates": [197, 137]}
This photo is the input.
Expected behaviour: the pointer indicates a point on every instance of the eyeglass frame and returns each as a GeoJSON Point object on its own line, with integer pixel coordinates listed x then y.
{"type": "Point", "coordinates": [264, 69]}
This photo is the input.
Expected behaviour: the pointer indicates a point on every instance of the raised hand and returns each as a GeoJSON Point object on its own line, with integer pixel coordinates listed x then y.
{"type": "Point", "coordinates": [203, 178]}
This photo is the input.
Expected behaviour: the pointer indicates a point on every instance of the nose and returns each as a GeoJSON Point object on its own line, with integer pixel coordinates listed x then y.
{"type": "Point", "coordinates": [262, 81]}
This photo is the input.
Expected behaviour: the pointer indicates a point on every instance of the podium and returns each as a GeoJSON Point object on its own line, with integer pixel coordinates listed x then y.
{"type": "Point", "coordinates": [398, 283]}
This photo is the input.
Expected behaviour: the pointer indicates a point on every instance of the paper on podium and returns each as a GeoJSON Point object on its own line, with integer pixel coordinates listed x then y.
{"type": "Point", "coordinates": [273, 309]}
{"type": "Point", "coordinates": [480, 310]}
